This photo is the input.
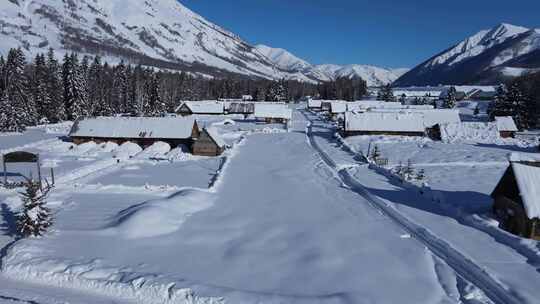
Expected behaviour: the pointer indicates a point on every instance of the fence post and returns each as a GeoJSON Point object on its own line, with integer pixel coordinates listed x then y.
{"type": "Point", "coordinates": [5, 170]}
{"type": "Point", "coordinates": [52, 175]}
{"type": "Point", "coordinates": [39, 173]}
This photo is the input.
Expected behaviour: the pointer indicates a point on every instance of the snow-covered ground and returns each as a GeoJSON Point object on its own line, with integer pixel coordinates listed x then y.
{"type": "Point", "coordinates": [282, 217]}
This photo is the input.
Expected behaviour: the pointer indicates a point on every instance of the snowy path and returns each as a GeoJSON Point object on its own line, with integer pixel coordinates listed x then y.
{"type": "Point", "coordinates": [463, 265]}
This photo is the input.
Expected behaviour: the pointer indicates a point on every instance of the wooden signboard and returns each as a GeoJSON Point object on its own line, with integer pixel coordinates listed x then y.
{"type": "Point", "coordinates": [20, 157]}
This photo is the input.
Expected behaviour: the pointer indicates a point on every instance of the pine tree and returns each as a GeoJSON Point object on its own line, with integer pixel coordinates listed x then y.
{"type": "Point", "coordinates": [519, 104]}
{"type": "Point", "coordinates": [40, 94]}
{"type": "Point", "coordinates": [501, 106]}
{"type": "Point", "coordinates": [476, 110]}
{"type": "Point", "coordinates": [421, 175]}
{"type": "Point", "coordinates": [35, 218]}
{"type": "Point", "coordinates": [120, 88]}
{"type": "Point", "coordinates": [375, 154]}
{"type": "Point", "coordinates": [386, 94]}
{"type": "Point", "coordinates": [408, 171]}
{"type": "Point", "coordinates": [20, 111]}
{"type": "Point", "coordinates": [75, 91]}
{"type": "Point", "coordinates": [450, 99]}
{"type": "Point", "coordinates": [56, 112]}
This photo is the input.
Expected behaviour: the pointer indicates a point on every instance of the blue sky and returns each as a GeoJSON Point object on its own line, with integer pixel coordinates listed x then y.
{"type": "Point", "coordinates": [388, 33]}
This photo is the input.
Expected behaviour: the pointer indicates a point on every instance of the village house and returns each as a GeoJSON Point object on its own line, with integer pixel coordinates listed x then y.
{"type": "Point", "coordinates": [209, 143]}
{"type": "Point", "coordinates": [506, 126]}
{"type": "Point", "coordinates": [201, 108]}
{"type": "Point", "coordinates": [314, 104]}
{"type": "Point", "coordinates": [516, 198]}
{"type": "Point", "coordinates": [273, 112]}
{"type": "Point", "coordinates": [143, 131]}
{"type": "Point", "coordinates": [337, 108]}
{"type": "Point", "coordinates": [381, 123]}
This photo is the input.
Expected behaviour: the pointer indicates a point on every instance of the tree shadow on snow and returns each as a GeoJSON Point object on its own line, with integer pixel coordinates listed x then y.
{"type": "Point", "coordinates": [8, 223]}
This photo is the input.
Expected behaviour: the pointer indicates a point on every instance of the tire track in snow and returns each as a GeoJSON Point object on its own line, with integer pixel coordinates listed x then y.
{"type": "Point", "coordinates": [462, 265]}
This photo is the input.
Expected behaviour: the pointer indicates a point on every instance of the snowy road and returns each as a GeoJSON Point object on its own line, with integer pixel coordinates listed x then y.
{"type": "Point", "coordinates": [463, 265]}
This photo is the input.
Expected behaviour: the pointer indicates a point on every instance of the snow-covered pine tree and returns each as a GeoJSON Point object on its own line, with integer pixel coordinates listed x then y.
{"type": "Point", "coordinates": [476, 110]}
{"type": "Point", "coordinates": [386, 94]}
{"type": "Point", "coordinates": [421, 175]}
{"type": "Point", "coordinates": [501, 106]}
{"type": "Point", "coordinates": [20, 109]}
{"type": "Point", "coordinates": [40, 94]}
{"type": "Point", "coordinates": [375, 154]}
{"type": "Point", "coordinates": [75, 91]}
{"type": "Point", "coordinates": [35, 218]}
{"type": "Point", "coordinates": [120, 88]}
{"type": "Point", "coordinates": [56, 112]}
{"type": "Point", "coordinates": [408, 171]}
{"type": "Point", "coordinates": [520, 106]}
{"type": "Point", "coordinates": [450, 99]}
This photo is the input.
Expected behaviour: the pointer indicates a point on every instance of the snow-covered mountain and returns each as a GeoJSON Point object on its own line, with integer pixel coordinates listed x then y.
{"type": "Point", "coordinates": [161, 33]}
{"type": "Point", "coordinates": [488, 56]}
{"type": "Point", "coordinates": [375, 76]}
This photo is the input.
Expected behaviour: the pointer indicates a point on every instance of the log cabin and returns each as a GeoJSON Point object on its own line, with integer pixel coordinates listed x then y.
{"type": "Point", "coordinates": [201, 108]}
{"type": "Point", "coordinates": [506, 126]}
{"type": "Point", "coordinates": [143, 131]}
{"type": "Point", "coordinates": [516, 198]}
{"type": "Point", "coordinates": [273, 112]}
{"type": "Point", "coordinates": [209, 143]}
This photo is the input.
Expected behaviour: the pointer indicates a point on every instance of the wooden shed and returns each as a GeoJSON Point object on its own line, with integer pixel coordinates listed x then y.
{"type": "Point", "coordinates": [273, 112]}
{"type": "Point", "coordinates": [209, 143]}
{"type": "Point", "coordinates": [516, 198]}
{"type": "Point", "coordinates": [506, 126]}
{"type": "Point", "coordinates": [143, 131]}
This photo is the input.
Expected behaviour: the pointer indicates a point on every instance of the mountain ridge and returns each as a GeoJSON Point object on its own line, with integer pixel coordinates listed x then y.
{"type": "Point", "coordinates": [481, 58]}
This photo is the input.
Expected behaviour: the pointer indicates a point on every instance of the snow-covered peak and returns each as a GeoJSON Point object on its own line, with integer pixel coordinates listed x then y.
{"type": "Point", "coordinates": [283, 58]}
{"type": "Point", "coordinates": [477, 44]}
{"type": "Point", "coordinates": [374, 76]}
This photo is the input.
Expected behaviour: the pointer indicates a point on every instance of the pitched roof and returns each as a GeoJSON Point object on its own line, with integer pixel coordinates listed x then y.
{"type": "Point", "coordinates": [265, 110]}
{"type": "Point", "coordinates": [204, 107]}
{"type": "Point", "coordinates": [506, 123]}
{"type": "Point", "coordinates": [430, 117]}
{"type": "Point", "coordinates": [528, 181]}
{"type": "Point", "coordinates": [134, 127]}
{"type": "Point", "coordinates": [214, 134]}
{"type": "Point", "coordinates": [384, 122]}
{"type": "Point", "coordinates": [338, 107]}
{"type": "Point", "coordinates": [314, 103]}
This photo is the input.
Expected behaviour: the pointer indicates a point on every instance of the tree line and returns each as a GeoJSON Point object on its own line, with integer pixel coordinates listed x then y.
{"type": "Point", "coordinates": [520, 99]}
{"type": "Point", "coordinates": [47, 90]}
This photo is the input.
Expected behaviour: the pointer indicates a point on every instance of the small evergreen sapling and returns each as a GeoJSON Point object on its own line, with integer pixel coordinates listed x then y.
{"type": "Point", "coordinates": [35, 218]}
{"type": "Point", "coordinates": [375, 154]}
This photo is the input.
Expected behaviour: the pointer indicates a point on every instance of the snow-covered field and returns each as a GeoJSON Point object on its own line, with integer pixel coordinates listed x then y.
{"type": "Point", "coordinates": [281, 217]}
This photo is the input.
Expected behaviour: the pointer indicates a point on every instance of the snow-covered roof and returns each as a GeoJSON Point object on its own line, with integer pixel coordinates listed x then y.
{"type": "Point", "coordinates": [528, 181]}
{"type": "Point", "coordinates": [204, 107]}
{"type": "Point", "coordinates": [265, 110]}
{"type": "Point", "coordinates": [314, 103]}
{"type": "Point", "coordinates": [506, 123]}
{"type": "Point", "coordinates": [134, 127]}
{"type": "Point", "coordinates": [386, 122]}
{"type": "Point", "coordinates": [430, 117]}
{"type": "Point", "coordinates": [241, 107]}
{"type": "Point", "coordinates": [440, 116]}
{"type": "Point", "coordinates": [338, 107]}
{"type": "Point", "coordinates": [214, 134]}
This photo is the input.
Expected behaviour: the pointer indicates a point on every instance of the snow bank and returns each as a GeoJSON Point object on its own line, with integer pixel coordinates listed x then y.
{"type": "Point", "coordinates": [94, 275]}
{"type": "Point", "coordinates": [158, 150]}
{"type": "Point", "coordinates": [160, 217]}
{"type": "Point", "coordinates": [179, 154]}
{"type": "Point", "coordinates": [127, 150]}
{"type": "Point", "coordinates": [226, 122]}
